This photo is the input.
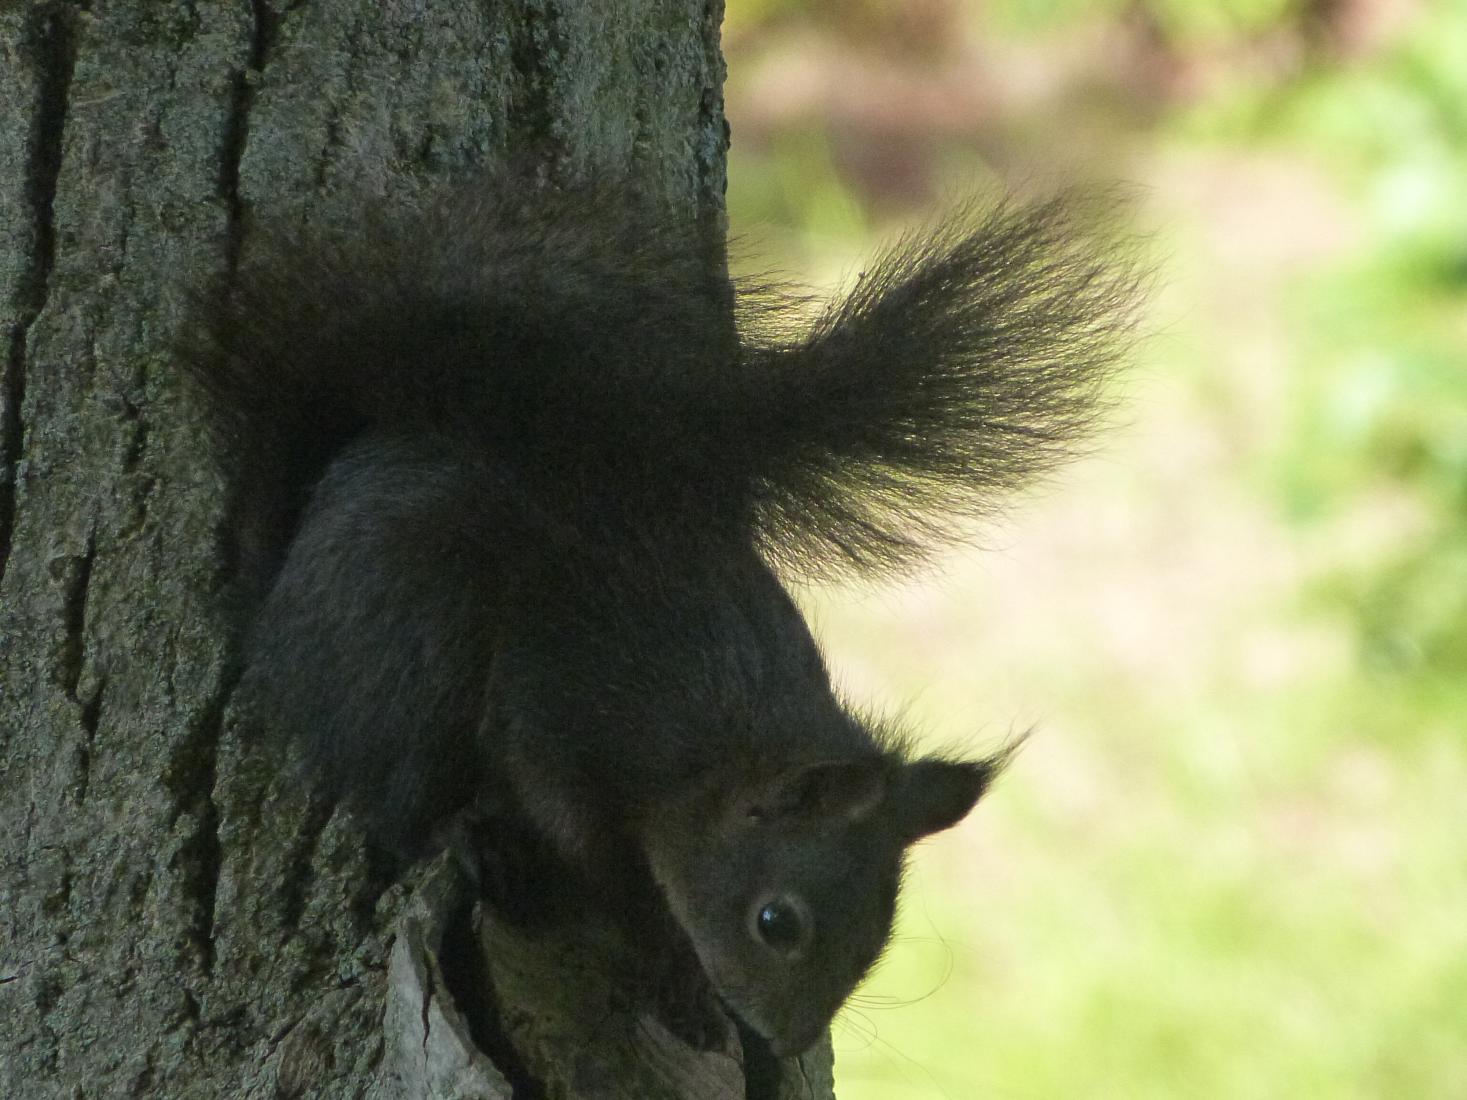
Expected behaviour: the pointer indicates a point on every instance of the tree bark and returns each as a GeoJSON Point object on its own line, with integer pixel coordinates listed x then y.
{"type": "Point", "coordinates": [177, 916]}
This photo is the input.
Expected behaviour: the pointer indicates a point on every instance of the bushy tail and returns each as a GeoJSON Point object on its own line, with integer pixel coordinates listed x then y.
{"type": "Point", "coordinates": [591, 342]}
{"type": "Point", "coordinates": [967, 361]}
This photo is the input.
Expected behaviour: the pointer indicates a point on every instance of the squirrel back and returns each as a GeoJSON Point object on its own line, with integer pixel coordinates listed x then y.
{"type": "Point", "coordinates": [514, 473]}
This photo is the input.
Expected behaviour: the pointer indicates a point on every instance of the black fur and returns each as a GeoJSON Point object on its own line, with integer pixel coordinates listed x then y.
{"type": "Point", "coordinates": [511, 473]}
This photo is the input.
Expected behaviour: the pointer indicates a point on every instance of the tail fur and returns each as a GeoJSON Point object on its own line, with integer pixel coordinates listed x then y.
{"type": "Point", "coordinates": [591, 342]}
{"type": "Point", "coordinates": [969, 360]}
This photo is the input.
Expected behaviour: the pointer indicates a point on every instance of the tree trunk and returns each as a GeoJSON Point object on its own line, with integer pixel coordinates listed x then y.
{"type": "Point", "coordinates": [177, 917]}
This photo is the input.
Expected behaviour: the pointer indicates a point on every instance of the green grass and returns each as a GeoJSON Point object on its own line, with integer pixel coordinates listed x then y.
{"type": "Point", "coordinates": [1259, 893]}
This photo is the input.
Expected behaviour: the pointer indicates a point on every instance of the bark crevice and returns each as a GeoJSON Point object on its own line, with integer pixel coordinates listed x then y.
{"type": "Point", "coordinates": [470, 985]}
{"type": "Point", "coordinates": [263, 26]}
{"type": "Point", "coordinates": [91, 717]}
{"type": "Point", "coordinates": [76, 577]}
{"type": "Point", "coordinates": [50, 38]}
{"type": "Point", "coordinates": [12, 428]}
{"type": "Point", "coordinates": [537, 48]}
{"type": "Point", "coordinates": [300, 869]}
{"type": "Point", "coordinates": [191, 778]}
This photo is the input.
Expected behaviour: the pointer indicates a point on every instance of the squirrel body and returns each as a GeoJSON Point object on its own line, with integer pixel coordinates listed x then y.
{"type": "Point", "coordinates": [514, 472]}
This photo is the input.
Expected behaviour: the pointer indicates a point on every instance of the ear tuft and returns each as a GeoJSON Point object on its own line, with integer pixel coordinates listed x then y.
{"type": "Point", "coordinates": [846, 790]}
{"type": "Point", "coordinates": [937, 794]}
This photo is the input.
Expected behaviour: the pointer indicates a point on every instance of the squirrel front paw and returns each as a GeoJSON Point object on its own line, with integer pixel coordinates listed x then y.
{"type": "Point", "coordinates": [686, 1005]}
{"type": "Point", "coordinates": [509, 867]}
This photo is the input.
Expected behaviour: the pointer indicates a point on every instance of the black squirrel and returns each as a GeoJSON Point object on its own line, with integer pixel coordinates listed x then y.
{"type": "Point", "coordinates": [515, 469]}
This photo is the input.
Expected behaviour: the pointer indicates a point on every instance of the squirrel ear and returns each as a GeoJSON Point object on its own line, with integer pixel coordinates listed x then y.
{"type": "Point", "coordinates": [850, 790]}
{"type": "Point", "coordinates": [937, 794]}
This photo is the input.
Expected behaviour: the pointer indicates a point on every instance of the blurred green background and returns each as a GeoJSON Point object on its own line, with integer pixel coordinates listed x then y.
{"type": "Point", "coordinates": [1232, 860]}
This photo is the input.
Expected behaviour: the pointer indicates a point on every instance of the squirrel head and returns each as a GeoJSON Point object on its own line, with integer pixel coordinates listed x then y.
{"type": "Point", "coordinates": [774, 821]}
{"type": "Point", "coordinates": [787, 885]}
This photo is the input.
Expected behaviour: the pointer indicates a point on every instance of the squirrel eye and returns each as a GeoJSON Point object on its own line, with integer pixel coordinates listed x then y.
{"type": "Point", "coordinates": [782, 924]}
